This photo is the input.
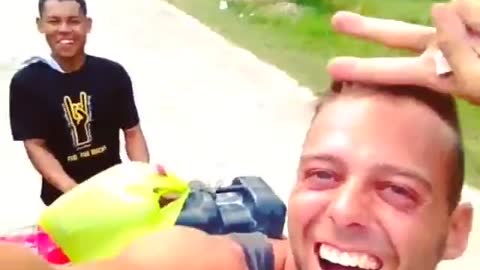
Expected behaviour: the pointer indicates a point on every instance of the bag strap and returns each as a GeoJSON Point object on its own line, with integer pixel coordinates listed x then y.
{"type": "Point", "coordinates": [257, 249]}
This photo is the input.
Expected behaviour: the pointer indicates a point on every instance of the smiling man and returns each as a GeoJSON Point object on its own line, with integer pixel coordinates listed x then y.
{"type": "Point", "coordinates": [68, 107]}
{"type": "Point", "coordinates": [379, 182]}
{"type": "Point", "coordinates": [378, 188]}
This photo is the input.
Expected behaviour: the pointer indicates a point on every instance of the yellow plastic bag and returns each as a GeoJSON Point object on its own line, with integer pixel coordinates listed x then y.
{"type": "Point", "coordinates": [100, 217]}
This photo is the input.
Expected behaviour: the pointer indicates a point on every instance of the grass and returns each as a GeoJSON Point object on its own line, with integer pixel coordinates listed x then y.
{"type": "Point", "coordinates": [301, 45]}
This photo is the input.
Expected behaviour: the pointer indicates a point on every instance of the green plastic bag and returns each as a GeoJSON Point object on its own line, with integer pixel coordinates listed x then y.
{"type": "Point", "coordinates": [99, 218]}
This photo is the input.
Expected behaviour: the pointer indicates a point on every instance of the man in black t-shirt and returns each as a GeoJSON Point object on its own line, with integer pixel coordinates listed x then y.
{"type": "Point", "coordinates": [68, 108]}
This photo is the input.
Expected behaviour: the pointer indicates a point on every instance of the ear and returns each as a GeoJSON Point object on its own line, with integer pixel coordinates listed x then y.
{"type": "Point", "coordinates": [38, 21]}
{"type": "Point", "coordinates": [89, 24]}
{"type": "Point", "coordinates": [459, 231]}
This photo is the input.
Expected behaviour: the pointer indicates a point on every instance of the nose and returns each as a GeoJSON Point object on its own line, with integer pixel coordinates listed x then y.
{"type": "Point", "coordinates": [351, 206]}
{"type": "Point", "coordinates": [64, 27]}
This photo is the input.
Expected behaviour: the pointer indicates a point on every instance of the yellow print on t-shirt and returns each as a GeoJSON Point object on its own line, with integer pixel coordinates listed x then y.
{"type": "Point", "coordinates": [79, 116]}
{"type": "Point", "coordinates": [87, 153]}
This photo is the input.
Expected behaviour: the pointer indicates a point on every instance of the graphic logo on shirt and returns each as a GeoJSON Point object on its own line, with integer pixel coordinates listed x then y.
{"type": "Point", "coordinates": [79, 117]}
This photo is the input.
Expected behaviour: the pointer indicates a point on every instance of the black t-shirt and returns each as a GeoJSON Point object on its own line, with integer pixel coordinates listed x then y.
{"type": "Point", "coordinates": [78, 114]}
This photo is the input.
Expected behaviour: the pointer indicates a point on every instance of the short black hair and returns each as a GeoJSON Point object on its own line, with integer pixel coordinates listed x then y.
{"type": "Point", "coordinates": [82, 3]}
{"type": "Point", "coordinates": [443, 105]}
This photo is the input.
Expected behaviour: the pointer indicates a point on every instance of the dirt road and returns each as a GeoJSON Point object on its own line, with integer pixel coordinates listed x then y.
{"type": "Point", "coordinates": [209, 110]}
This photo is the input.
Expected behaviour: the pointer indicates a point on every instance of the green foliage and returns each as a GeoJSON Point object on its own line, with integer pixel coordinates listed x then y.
{"type": "Point", "coordinates": [301, 44]}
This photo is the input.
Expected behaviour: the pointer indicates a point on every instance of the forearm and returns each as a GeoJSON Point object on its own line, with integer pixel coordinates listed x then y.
{"type": "Point", "coordinates": [221, 253]}
{"type": "Point", "coordinates": [224, 253]}
{"type": "Point", "coordinates": [136, 145]}
{"type": "Point", "coordinates": [199, 251]}
{"type": "Point", "coordinates": [48, 166]}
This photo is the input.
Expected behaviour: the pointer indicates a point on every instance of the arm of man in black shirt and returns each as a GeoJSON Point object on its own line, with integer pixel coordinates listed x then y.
{"type": "Point", "coordinates": [135, 142]}
{"type": "Point", "coordinates": [27, 121]}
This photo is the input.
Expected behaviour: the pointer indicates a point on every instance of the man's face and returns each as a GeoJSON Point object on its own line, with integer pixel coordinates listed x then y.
{"type": "Point", "coordinates": [372, 188]}
{"type": "Point", "coordinates": [65, 27]}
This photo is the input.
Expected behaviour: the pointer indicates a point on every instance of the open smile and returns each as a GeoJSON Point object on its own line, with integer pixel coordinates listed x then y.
{"type": "Point", "coordinates": [332, 258]}
{"type": "Point", "coordinates": [66, 41]}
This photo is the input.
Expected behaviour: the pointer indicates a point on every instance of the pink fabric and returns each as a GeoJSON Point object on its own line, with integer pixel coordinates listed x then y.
{"type": "Point", "coordinates": [36, 239]}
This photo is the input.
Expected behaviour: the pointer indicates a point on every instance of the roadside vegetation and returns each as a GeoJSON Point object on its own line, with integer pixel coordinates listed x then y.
{"type": "Point", "coordinates": [296, 37]}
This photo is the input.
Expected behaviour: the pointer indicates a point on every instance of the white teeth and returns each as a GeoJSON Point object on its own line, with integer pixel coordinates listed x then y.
{"type": "Point", "coordinates": [66, 41]}
{"type": "Point", "coordinates": [351, 259]}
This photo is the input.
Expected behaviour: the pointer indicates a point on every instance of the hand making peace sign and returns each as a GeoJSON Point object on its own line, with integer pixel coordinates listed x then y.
{"type": "Point", "coordinates": [456, 33]}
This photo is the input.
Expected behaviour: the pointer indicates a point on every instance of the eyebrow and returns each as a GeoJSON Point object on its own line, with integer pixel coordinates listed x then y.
{"type": "Point", "coordinates": [58, 17]}
{"type": "Point", "coordinates": [407, 173]}
{"type": "Point", "coordinates": [379, 167]}
{"type": "Point", "coordinates": [323, 157]}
